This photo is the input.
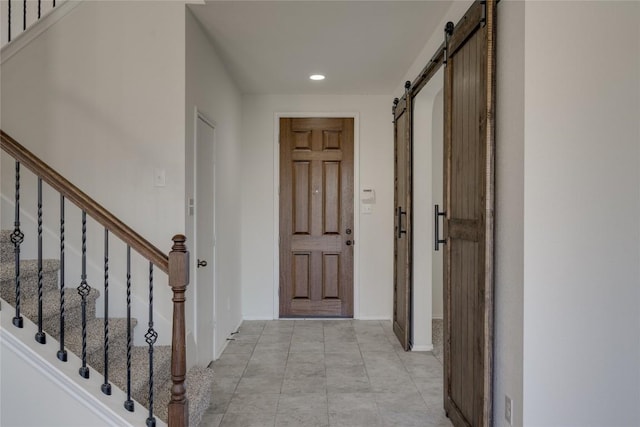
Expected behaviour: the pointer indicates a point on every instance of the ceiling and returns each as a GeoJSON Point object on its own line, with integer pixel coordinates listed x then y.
{"type": "Point", "coordinates": [363, 47]}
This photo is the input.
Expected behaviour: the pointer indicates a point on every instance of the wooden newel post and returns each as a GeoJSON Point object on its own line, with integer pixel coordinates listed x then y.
{"type": "Point", "coordinates": [178, 280]}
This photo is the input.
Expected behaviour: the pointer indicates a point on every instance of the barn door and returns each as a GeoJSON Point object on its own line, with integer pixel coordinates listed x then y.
{"type": "Point", "coordinates": [402, 235]}
{"type": "Point", "coordinates": [468, 225]}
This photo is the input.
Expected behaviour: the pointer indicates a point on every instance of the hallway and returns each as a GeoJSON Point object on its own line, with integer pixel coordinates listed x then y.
{"type": "Point", "coordinates": [308, 373]}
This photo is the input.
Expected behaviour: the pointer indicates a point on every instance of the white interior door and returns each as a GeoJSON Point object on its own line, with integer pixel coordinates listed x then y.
{"type": "Point", "coordinates": [204, 205]}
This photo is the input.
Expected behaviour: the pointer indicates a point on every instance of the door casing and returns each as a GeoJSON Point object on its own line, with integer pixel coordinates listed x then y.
{"type": "Point", "coordinates": [276, 204]}
{"type": "Point", "coordinates": [199, 116]}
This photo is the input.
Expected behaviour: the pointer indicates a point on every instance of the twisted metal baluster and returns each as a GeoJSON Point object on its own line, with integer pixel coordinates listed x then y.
{"type": "Point", "coordinates": [106, 387]}
{"type": "Point", "coordinates": [151, 336]}
{"type": "Point", "coordinates": [128, 404]}
{"type": "Point", "coordinates": [83, 291]}
{"type": "Point", "coordinates": [17, 238]}
{"type": "Point", "coordinates": [62, 353]}
{"type": "Point", "coordinates": [9, 22]}
{"type": "Point", "coordinates": [40, 336]}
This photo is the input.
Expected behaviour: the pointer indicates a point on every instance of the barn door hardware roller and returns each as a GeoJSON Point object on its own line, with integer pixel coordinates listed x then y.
{"type": "Point", "coordinates": [448, 31]}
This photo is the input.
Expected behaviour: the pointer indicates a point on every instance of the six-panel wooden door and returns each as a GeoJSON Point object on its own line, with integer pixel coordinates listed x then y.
{"type": "Point", "coordinates": [316, 217]}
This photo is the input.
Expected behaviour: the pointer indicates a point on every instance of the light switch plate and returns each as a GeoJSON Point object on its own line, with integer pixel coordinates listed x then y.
{"type": "Point", "coordinates": [159, 177]}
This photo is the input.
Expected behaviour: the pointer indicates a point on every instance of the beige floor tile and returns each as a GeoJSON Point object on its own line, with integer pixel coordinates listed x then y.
{"type": "Point", "coordinates": [248, 420]}
{"type": "Point", "coordinates": [305, 385]}
{"type": "Point", "coordinates": [324, 373]}
{"type": "Point", "coordinates": [210, 419]}
{"type": "Point", "coordinates": [260, 403]}
{"type": "Point", "coordinates": [348, 384]}
{"type": "Point", "coordinates": [260, 385]}
{"type": "Point", "coordinates": [303, 401]}
{"type": "Point", "coordinates": [361, 418]}
{"type": "Point", "coordinates": [302, 418]}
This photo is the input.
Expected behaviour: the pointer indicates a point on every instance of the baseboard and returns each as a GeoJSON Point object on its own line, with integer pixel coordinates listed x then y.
{"type": "Point", "coordinates": [226, 341]}
{"type": "Point", "coordinates": [385, 318]}
{"type": "Point", "coordinates": [422, 348]}
{"type": "Point", "coordinates": [249, 318]}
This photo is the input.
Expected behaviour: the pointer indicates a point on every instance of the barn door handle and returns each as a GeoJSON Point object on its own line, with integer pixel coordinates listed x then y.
{"type": "Point", "coordinates": [436, 218]}
{"type": "Point", "coordinates": [400, 212]}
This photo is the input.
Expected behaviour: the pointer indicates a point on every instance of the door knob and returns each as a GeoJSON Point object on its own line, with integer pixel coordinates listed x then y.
{"type": "Point", "coordinates": [202, 263]}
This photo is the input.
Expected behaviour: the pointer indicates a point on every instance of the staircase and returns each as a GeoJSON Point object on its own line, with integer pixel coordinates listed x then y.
{"type": "Point", "coordinates": [42, 277]}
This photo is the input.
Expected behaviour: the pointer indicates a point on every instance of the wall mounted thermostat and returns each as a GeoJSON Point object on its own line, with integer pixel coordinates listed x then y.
{"type": "Point", "coordinates": [368, 196]}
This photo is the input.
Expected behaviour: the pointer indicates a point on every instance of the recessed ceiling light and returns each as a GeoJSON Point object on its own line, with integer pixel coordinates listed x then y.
{"type": "Point", "coordinates": [316, 77]}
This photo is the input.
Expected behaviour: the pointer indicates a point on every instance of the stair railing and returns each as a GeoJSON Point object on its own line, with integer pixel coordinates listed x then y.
{"type": "Point", "coordinates": [175, 265]}
{"type": "Point", "coordinates": [21, 14]}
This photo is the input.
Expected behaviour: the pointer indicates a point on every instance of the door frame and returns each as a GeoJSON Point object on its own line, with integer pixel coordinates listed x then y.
{"type": "Point", "coordinates": [199, 115]}
{"type": "Point", "coordinates": [276, 203]}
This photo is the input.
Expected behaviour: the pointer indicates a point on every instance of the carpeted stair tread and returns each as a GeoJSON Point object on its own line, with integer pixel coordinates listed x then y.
{"type": "Point", "coordinates": [95, 337]}
{"type": "Point", "coordinates": [198, 382]}
{"type": "Point", "coordinates": [51, 307]}
{"type": "Point", "coordinates": [139, 370]}
{"type": "Point", "coordinates": [6, 247]}
{"type": "Point", "coordinates": [29, 275]}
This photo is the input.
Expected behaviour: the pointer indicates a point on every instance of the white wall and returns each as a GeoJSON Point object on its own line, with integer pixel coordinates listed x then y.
{"type": "Point", "coordinates": [374, 239]}
{"type": "Point", "coordinates": [20, 397]}
{"type": "Point", "coordinates": [61, 397]}
{"type": "Point", "coordinates": [427, 190]}
{"type": "Point", "coordinates": [213, 92]}
{"type": "Point", "coordinates": [100, 97]}
{"type": "Point", "coordinates": [509, 212]}
{"type": "Point", "coordinates": [582, 214]}
{"type": "Point", "coordinates": [437, 179]}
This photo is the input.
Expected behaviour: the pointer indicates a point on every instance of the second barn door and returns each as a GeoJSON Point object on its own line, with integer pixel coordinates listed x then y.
{"type": "Point", "coordinates": [402, 283]}
{"type": "Point", "coordinates": [316, 217]}
{"type": "Point", "coordinates": [468, 196]}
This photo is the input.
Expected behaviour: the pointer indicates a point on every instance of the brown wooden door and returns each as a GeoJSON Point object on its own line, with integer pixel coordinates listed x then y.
{"type": "Point", "coordinates": [468, 226]}
{"type": "Point", "coordinates": [402, 223]}
{"type": "Point", "coordinates": [316, 217]}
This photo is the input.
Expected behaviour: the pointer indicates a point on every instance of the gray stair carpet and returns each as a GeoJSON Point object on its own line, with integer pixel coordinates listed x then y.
{"type": "Point", "coordinates": [199, 380]}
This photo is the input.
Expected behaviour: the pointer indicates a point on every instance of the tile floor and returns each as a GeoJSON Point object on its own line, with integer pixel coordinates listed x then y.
{"type": "Point", "coordinates": [313, 373]}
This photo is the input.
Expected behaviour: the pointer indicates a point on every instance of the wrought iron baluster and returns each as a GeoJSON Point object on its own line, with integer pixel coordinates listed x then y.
{"type": "Point", "coordinates": [24, 15]}
{"type": "Point", "coordinates": [62, 353]}
{"type": "Point", "coordinates": [151, 336]}
{"type": "Point", "coordinates": [128, 404]}
{"type": "Point", "coordinates": [8, 21]}
{"type": "Point", "coordinates": [16, 238]}
{"type": "Point", "coordinates": [106, 387]}
{"type": "Point", "coordinates": [39, 8]}
{"type": "Point", "coordinates": [40, 335]}
{"type": "Point", "coordinates": [83, 291]}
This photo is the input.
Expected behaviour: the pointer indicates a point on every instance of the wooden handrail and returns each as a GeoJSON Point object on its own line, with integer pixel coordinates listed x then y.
{"type": "Point", "coordinates": [84, 202]}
